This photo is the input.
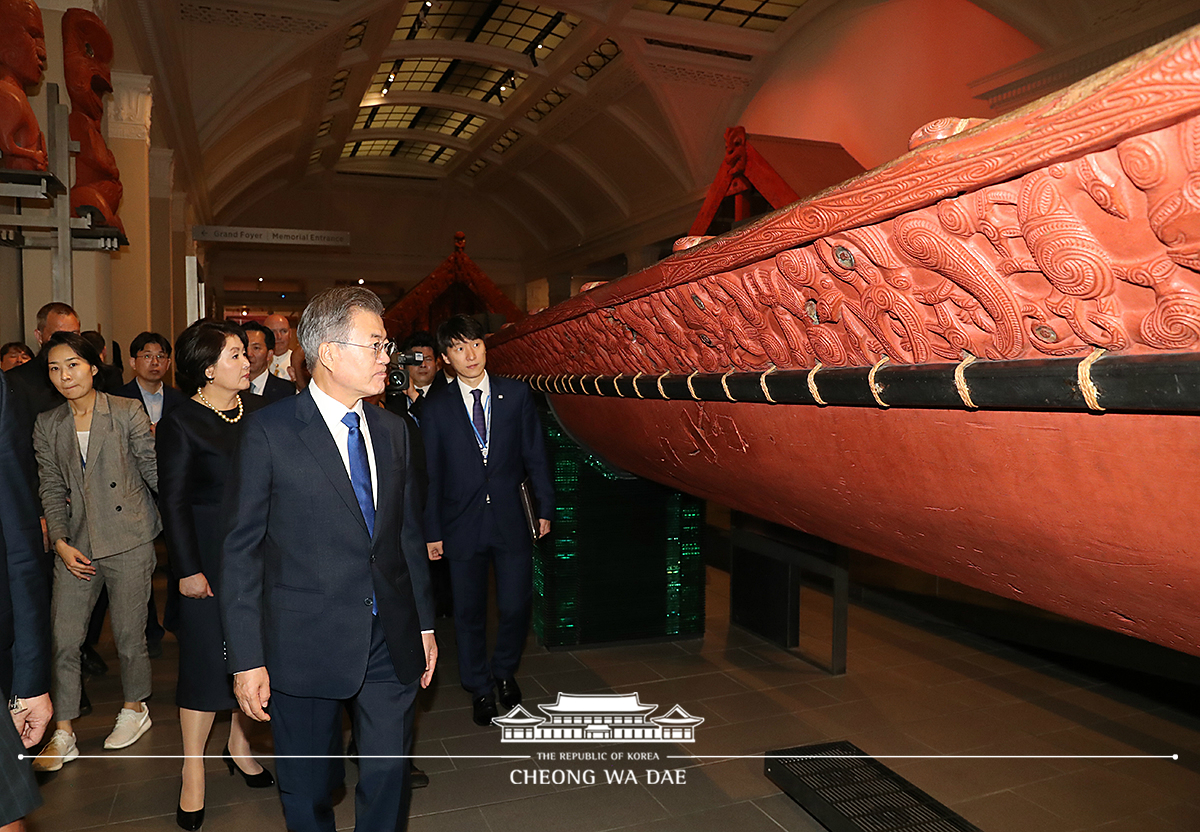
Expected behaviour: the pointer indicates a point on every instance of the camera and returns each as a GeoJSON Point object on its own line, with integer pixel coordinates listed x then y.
{"type": "Point", "coordinates": [397, 378]}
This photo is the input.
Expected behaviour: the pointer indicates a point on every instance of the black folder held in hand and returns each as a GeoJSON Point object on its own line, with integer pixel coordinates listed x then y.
{"type": "Point", "coordinates": [527, 503]}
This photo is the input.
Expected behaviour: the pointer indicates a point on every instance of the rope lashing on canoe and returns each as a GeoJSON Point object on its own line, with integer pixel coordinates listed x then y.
{"type": "Point", "coordinates": [875, 388]}
{"type": "Point", "coordinates": [812, 384]}
{"type": "Point", "coordinates": [1087, 387]}
{"type": "Point", "coordinates": [1155, 383]}
{"type": "Point", "coordinates": [725, 386]}
{"type": "Point", "coordinates": [762, 382]}
{"type": "Point", "coordinates": [960, 380]}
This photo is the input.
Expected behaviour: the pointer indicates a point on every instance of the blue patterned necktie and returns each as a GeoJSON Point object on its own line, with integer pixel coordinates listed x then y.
{"type": "Point", "coordinates": [360, 470]}
{"type": "Point", "coordinates": [478, 417]}
{"type": "Point", "coordinates": [360, 479]}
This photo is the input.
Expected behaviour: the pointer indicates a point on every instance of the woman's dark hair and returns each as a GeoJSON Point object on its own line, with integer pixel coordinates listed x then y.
{"type": "Point", "coordinates": [198, 348]}
{"type": "Point", "coordinates": [459, 328]}
{"type": "Point", "coordinates": [82, 348]}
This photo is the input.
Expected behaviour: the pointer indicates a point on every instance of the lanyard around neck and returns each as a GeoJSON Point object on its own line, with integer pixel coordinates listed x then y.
{"type": "Point", "coordinates": [487, 424]}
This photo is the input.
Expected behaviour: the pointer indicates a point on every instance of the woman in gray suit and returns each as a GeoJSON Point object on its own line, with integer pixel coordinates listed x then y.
{"type": "Point", "coordinates": [97, 467]}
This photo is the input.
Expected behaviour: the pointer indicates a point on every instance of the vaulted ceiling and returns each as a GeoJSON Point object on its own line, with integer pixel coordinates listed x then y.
{"type": "Point", "coordinates": [565, 123]}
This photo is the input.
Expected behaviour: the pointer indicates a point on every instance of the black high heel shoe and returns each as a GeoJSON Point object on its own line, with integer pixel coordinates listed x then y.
{"type": "Point", "coordinates": [191, 821]}
{"type": "Point", "coordinates": [262, 780]}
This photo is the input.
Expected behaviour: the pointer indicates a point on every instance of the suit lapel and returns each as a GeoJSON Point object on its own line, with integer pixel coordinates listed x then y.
{"type": "Point", "coordinates": [68, 444]}
{"type": "Point", "coordinates": [316, 436]}
{"type": "Point", "coordinates": [99, 433]}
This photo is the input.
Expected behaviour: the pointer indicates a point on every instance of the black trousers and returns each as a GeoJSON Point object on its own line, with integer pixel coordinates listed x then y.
{"type": "Point", "coordinates": [513, 566]}
{"type": "Point", "coordinates": [382, 718]}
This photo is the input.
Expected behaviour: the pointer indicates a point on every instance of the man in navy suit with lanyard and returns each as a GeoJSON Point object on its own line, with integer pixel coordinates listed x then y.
{"type": "Point", "coordinates": [482, 438]}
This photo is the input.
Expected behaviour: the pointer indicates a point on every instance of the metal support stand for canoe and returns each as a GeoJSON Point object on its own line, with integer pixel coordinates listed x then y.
{"type": "Point", "coordinates": [775, 613]}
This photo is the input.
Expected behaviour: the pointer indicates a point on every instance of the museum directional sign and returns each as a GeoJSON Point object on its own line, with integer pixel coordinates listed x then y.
{"type": "Point", "coordinates": [270, 236]}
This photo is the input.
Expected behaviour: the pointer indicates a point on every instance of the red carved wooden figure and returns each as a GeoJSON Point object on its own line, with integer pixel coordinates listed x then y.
{"type": "Point", "coordinates": [87, 53]}
{"type": "Point", "coordinates": [22, 61]}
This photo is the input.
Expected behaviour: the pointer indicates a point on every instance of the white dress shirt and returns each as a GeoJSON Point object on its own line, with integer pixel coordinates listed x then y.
{"type": "Point", "coordinates": [332, 412]}
{"type": "Point", "coordinates": [280, 364]}
{"type": "Point", "coordinates": [486, 399]}
{"type": "Point", "coordinates": [258, 384]}
{"type": "Point", "coordinates": [153, 401]}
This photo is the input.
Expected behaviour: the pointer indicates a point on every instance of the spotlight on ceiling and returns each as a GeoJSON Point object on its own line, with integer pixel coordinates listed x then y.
{"type": "Point", "coordinates": [361, 281]}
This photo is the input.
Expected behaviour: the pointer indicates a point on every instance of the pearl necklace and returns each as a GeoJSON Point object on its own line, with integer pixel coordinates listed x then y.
{"type": "Point", "coordinates": [213, 408]}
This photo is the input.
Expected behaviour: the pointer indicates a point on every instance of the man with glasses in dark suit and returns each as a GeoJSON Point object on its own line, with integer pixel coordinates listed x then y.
{"type": "Point", "coordinates": [324, 590]}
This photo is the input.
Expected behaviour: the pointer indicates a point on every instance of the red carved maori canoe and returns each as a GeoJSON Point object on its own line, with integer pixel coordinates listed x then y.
{"type": "Point", "coordinates": [981, 359]}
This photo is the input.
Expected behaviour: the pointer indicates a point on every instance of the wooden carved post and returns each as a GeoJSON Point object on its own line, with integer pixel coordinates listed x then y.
{"type": "Point", "coordinates": [22, 61]}
{"type": "Point", "coordinates": [87, 53]}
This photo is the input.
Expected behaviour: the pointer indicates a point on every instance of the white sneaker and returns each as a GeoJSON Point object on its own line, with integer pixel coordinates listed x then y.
{"type": "Point", "coordinates": [129, 728]}
{"type": "Point", "coordinates": [61, 749]}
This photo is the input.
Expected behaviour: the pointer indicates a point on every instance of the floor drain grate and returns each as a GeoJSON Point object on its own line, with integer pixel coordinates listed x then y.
{"type": "Point", "coordinates": [848, 791]}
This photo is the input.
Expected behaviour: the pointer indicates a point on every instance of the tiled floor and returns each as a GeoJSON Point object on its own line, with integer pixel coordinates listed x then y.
{"type": "Point", "coordinates": [910, 690]}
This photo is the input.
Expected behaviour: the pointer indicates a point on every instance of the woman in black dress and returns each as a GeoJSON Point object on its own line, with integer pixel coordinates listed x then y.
{"type": "Point", "coordinates": [195, 445]}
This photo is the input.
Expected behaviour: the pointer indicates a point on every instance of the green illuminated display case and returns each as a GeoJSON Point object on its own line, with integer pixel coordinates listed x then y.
{"type": "Point", "coordinates": [622, 561]}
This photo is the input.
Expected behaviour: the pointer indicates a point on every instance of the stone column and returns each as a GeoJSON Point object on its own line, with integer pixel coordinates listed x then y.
{"type": "Point", "coordinates": [162, 178]}
{"type": "Point", "coordinates": [128, 117]}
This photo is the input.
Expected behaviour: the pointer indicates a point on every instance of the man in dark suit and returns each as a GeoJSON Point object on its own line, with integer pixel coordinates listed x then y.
{"type": "Point", "coordinates": [482, 438]}
{"type": "Point", "coordinates": [150, 360]}
{"type": "Point", "coordinates": [424, 376]}
{"type": "Point", "coordinates": [324, 595]}
{"type": "Point", "coordinates": [260, 347]}
{"type": "Point", "coordinates": [24, 624]}
{"type": "Point", "coordinates": [30, 382]}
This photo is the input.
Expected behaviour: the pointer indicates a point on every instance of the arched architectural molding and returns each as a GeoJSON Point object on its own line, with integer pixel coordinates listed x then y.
{"type": "Point", "coordinates": [442, 100]}
{"type": "Point", "coordinates": [262, 141]}
{"type": "Point", "coordinates": [547, 193]}
{"type": "Point", "coordinates": [461, 50]}
{"type": "Point", "coordinates": [249, 103]}
{"type": "Point", "coordinates": [597, 177]}
{"type": "Point", "coordinates": [401, 134]}
{"type": "Point", "coordinates": [223, 196]}
{"type": "Point", "coordinates": [521, 217]}
{"type": "Point", "coordinates": [661, 152]}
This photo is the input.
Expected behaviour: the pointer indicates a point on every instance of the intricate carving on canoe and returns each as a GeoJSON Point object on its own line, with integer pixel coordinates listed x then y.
{"type": "Point", "coordinates": [1101, 251]}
